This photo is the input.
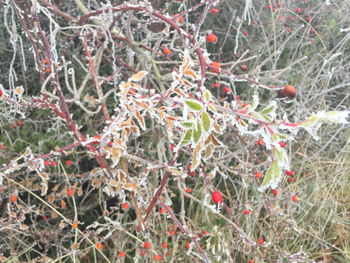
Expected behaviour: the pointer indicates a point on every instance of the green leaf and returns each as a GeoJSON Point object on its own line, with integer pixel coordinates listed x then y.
{"type": "Point", "coordinates": [205, 121]}
{"type": "Point", "coordinates": [268, 109]}
{"type": "Point", "coordinates": [187, 138]}
{"type": "Point", "coordinates": [272, 176]}
{"type": "Point", "coordinates": [194, 105]}
{"type": "Point", "coordinates": [197, 132]}
{"type": "Point", "coordinates": [187, 124]}
{"type": "Point", "coordinates": [207, 95]}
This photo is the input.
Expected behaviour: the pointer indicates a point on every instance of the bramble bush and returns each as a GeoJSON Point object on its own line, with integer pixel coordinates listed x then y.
{"type": "Point", "coordinates": [174, 131]}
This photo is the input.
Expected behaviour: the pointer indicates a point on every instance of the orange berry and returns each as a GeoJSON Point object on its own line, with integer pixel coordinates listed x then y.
{"type": "Point", "coordinates": [164, 244]}
{"type": "Point", "coordinates": [188, 190]}
{"type": "Point", "coordinates": [172, 233]}
{"type": "Point", "coordinates": [251, 261]}
{"type": "Point", "coordinates": [13, 199]}
{"type": "Point", "coordinates": [215, 67]}
{"type": "Point", "coordinates": [157, 257]}
{"type": "Point", "coordinates": [99, 246]}
{"type": "Point", "coordinates": [214, 10]}
{"type": "Point", "coordinates": [143, 253]}
{"type": "Point", "coordinates": [188, 245]}
{"type": "Point", "coordinates": [70, 192]}
{"type": "Point", "coordinates": [205, 232]}
{"type": "Point", "coordinates": [47, 70]}
{"type": "Point", "coordinates": [162, 210]}
{"type": "Point", "coordinates": [180, 19]}
{"type": "Point", "coordinates": [167, 51]}
{"type": "Point", "coordinates": [46, 61]}
{"type": "Point", "coordinates": [289, 91]}
{"type": "Point", "coordinates": [75, 225]}
{"type": "Point", "coordinates": [125, 206]}
{"type": "Point", "coordinates": [147, 245]}
{"type": "Point", "coordinates": [121, 254]}
{"type": "Point", "coordinates": [258, 175]}
{"type": "Point", "coordinates": [212, 38]}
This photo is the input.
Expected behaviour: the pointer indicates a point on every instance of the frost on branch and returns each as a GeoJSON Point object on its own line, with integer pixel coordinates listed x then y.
{"type": "Point", "coordinates": [314, 122]}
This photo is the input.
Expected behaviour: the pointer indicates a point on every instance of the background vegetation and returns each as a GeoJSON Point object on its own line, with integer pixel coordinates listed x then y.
{"type": "Point", "coordinates": [68, 62]}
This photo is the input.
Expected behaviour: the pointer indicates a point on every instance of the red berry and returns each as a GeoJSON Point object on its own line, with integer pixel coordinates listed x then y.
{"type": "Point", "coordinates": [227, 90]}
{"type": "Point", "coordinates": [289, 173]}
{"type": "Point", "coordinates": [260, 241]}
{"type": "Point", "coordinates": [162, 210]}
{"type": "Point", "coordinates": [205, 232]}
{"type": "Point", "coordinates": [291, 179]}
{"type": "Point", "coordinates": [215, 67]}
{"type": "Point", "coordinates": [188, 245]}
{"type": "Point", "coordinates": [212, 38]}
{"type": "Point", "coordinates": [246, 212]}
{"type": "Point", "coordinates": [188, 190]}
{"type": "Point", "coordinates": [157, 257]}
{"type": "Point", "coordinates": [180, 19]}
{"type": "Point", "coordinates": [53, 163]}
{"type": "Point", "coordinates": [260, 142]}
{"type": "Point", "coordinates": [245, 33]}
{"type": "Point", "coordinates": [214, 10]}
{"type": "Point", "coordinates": [295, 199]}
{"type": "Point", "coordinates": [47, 70]}
{"type": "Point", "coordinates": [167, 51]}
{"type": "Point", "coordinates": [46, 61]}
{"type": "Point", "coordinates": [243, 67]}
{"type": "Point", "coordinates": [69, 163]}
{"type": "Point", "coordinates": [190, 172]}
{"type": "Point", "coordinates": [258, 175]}
{"type": "Point", "coordinates": [44, 217]}
{"type": "Point", "coordinates": [70, 192]}
{"type": "Point", "coordinates": [275, 192]}
{"type": "Point", "coordinates": [251, 261]}
{"type": "Point", "coordinates": [216, 85]}
{"type": "Point", "coordinates": [121, 254]}
{"type": "Point", "coordinates": [200, 235]}
{"type": "Point", "coordinates": [143, 253]}
{"type": "Point", "coordinates": [13, 199]}
{"type": "Point", "coordinates": [288, 29]}
{"type": "Point", "coordinates": [172, 146]}
{"type": "Point", "coordinates": [172, 233]}
{"type": "Point", "coordinates": [147, 245]}
{"type": "Point", "coordinates": [164, 244]}
{"type": "Point", "coordinates": [97, 139]}
{"type": "Point", "coordinates": [216, 197]}
{"type": "Point", "coordinates": [282, 144]}
{"type": "Point", "coordinates": [46, 163]}
{"type": "Point", "coordinates": [308, 19]}
{"type": "Point", "coordinates": [298, 10]}
{"type": "Point", "coordinates": [125, 206]}
{"type": "Point", "coordinates": [1, 92]}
